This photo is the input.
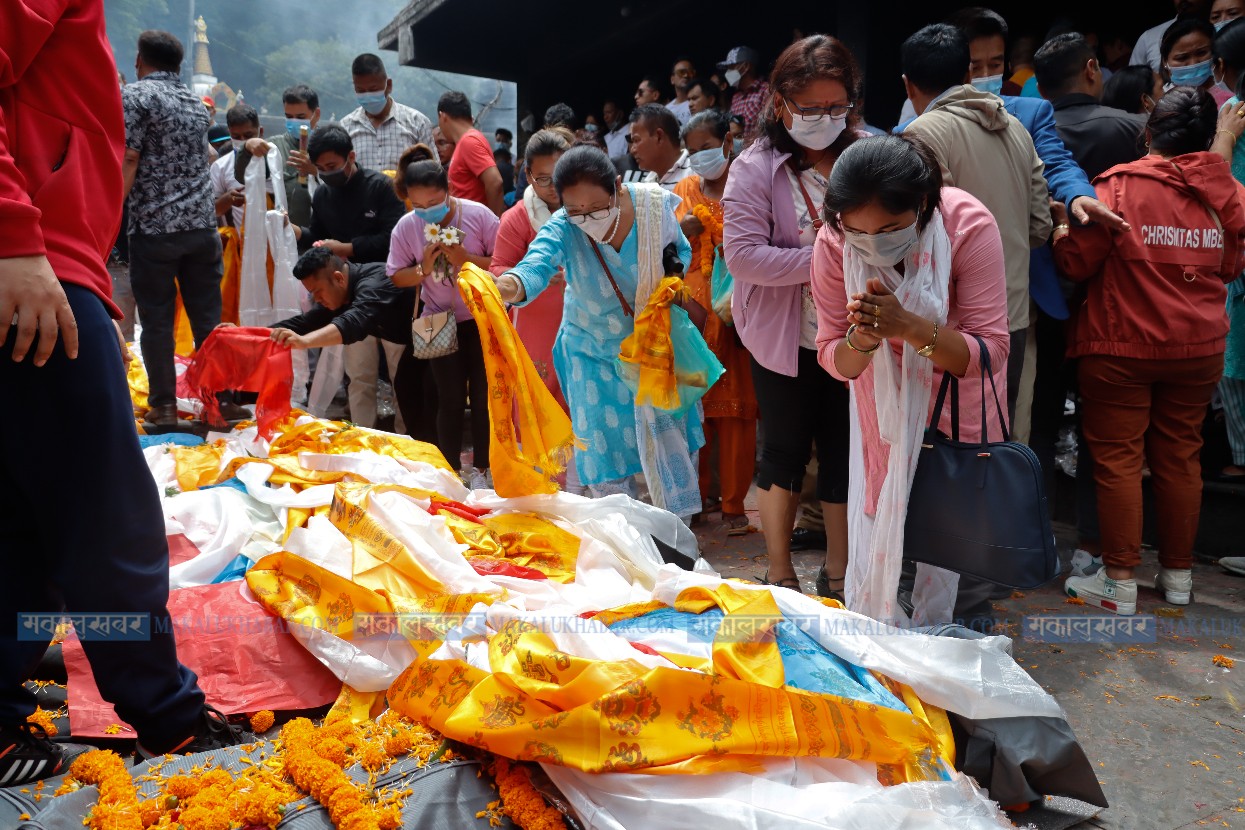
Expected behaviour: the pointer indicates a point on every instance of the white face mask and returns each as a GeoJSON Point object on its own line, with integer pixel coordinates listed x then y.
{"type": "Point", "coordinates": [709, 164]}
{"type": "Point", "coordinates": [817, 133]}
{"type": "Point", "coordinates": [603, 228]}
{"type": "Point", "coordinates": [884, 250]}
{"type": "Point", "coordinates": [237, 143]}
{"type": "Point", "coordinates": [732, 77]}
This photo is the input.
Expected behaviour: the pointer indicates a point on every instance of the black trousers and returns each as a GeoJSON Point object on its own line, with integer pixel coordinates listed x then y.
{"type": "Point", "coordinates": [458, 375]}
{"type": "Point", "coordinates": [160, 265]}
{"type": "Point", "coordinates": [82, 530]}
{"type": "Point", "coordinates": [798, 411]}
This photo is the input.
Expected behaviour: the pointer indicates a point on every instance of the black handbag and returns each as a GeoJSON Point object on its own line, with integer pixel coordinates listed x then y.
{"type": "Point", "coordinates": [979, 509]}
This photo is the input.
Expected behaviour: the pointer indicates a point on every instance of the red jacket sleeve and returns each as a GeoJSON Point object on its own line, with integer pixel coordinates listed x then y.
{"type": "Point", "coordinates": [23, 32]}
{"type": "Point", "coordinates": [1081, 253]}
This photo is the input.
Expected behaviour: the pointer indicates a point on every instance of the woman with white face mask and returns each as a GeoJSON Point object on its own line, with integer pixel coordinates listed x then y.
{"type": "Point", "coordinates": [772, 207]}
{"type": "Point", "coordinates": [609, 239]}
{"type": "Point", "coordinates": [1187, 52]}
{"type": "Point", "coordinates": [731, 405]}
{"type": "Point", "coordinates": [905, 273]}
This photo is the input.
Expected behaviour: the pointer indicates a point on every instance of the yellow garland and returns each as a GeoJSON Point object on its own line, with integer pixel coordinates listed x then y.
{"type": "Point", "coordinates": [520, 800]}
{"type": "Point", "coordinates": [710, 237]}
{"type": "Point", "coordinates": [117, 807]}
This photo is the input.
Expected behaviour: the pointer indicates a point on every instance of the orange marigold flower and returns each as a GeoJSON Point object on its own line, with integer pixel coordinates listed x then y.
{"type": "Point", "coordinates": [1223, 661]}
{"type": "Point", "coordinates": [43, 718]}
{"type": "Point", "coordinates": [262, 721]}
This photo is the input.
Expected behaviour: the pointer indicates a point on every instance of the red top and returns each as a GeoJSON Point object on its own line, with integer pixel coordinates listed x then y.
{"type": "Point", "coordinates": [1157, 291]}
{"type": "Point", "coordinates": [513, 237]}
{"type": "Point", "coordinates": [472, 156]}
{"type": "Point", "coordinates": [62, 138]}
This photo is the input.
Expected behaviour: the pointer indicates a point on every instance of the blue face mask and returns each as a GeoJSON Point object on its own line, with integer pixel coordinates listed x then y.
{"type": "Point", "coordinates": [709, 164]}
{"type": "Point", "coordinates": [1223, 23]}
{"type": "Point", "coordinates": [433, 215]}
{"type": "Point", "coordinates": [292, 125]}
{"type": "Point", "coordinates": [373, 103]}
{"type": "Point", "coordinates": [738, 145]}
{"type": "Point", "coordinates": [1193, 75]}
{"type": "Point", "coordinates": [991, 83]}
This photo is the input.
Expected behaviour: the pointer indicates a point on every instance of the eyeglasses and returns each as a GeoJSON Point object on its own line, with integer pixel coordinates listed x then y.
{"type": "Point", "coordinates": [813, 113]}
{"type": "Point", "coordinates": [582, 218]}
{"type": "Point", "coordinates": [541, 181]}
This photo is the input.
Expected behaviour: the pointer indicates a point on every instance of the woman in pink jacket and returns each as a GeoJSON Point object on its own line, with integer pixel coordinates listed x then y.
{"type": "Point", "coordinates": [771, 208]}
{"type": "Point", "coordinates": [907, 275]}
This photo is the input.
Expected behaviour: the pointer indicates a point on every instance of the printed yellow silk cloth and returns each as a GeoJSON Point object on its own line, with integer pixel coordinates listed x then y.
{"type": "Point", "coordinates": [650, 349]}
{"type": "Point", "coordinates": [528, 460]}
{"type": "Point", "coordinates": [542, 704]}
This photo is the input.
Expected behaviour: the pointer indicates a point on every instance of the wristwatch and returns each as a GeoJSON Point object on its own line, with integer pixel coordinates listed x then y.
{"type": "Point", "coordinates": [927, 351]}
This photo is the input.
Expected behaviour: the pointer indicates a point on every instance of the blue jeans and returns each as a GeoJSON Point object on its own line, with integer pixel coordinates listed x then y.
{"type": "Point", "coordinates": [82, 530]}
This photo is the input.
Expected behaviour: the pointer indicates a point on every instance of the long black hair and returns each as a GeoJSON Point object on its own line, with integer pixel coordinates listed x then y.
{"type": "Point", "coordinates": [900, 173]}
{"type": "Point", "coordinates": [584, 163]}
{"type": "Point", "coordinates": [1183, 121]}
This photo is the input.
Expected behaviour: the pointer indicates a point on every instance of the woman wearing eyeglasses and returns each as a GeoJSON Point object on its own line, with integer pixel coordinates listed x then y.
{"type": "Point", "coordinates": [772, 207]}
{"type": "Point", "coordinates": [611, 240]}
{"type": "Point", "coordinates": [538, 323]}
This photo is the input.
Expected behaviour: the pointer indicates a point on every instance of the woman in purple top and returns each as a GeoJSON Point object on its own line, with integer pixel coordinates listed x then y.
{"type": "Point", "coordinates": [415, 259]}
{"type": "Point", "coordinates": [772, 208]}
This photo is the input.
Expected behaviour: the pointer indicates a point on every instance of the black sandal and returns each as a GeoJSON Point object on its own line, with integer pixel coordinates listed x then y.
{"type": "Point", "coordinates": [823, 585]}
{"type": "Point", "coordinates": [789, 582]}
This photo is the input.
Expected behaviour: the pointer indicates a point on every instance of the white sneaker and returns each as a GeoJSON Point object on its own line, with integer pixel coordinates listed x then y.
{"type": "Point", "coordinates": [1176, 585]}
{"type": "Point", "coordinates": [1085, 563]}
{"type": "Point", "coordinates": [1233, 564]}
{"type": "Point", "coordinates": [478, 479]}
{"type": "Point", "coordinates": [1118, 596]}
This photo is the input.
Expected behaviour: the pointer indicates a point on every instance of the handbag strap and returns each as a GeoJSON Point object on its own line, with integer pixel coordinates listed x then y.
{"type": "Point", "coordinates": [808, 200]}
{"type": "Point", "coordinates": [949, 381]}
{"type": "Point", "coordinates": [626, 307]}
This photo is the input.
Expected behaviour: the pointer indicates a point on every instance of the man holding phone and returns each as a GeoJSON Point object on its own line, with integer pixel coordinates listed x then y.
{"type": "Point", "coordinates": [302, 109]}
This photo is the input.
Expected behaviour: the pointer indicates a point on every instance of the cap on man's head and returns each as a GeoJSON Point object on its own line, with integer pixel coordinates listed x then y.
{"type": "Point", "coordinates": [218, 134]}
{"type": "Point", "coordinates": [207, 99]}
{"type": "Point", "coordinates": [740, 54]}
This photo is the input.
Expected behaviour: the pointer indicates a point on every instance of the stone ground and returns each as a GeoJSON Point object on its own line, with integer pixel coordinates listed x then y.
{"type": "Point", "coordinates": [1163, 724]}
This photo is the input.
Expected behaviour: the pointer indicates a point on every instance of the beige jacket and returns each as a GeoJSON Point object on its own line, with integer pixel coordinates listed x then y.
{"type": "Point", "coordinates": [987, 152]}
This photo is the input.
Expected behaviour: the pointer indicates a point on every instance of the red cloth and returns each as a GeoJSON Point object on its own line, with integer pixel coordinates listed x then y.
{"type": "Point", "coordinates": [472, 156]}
{"type": "Point", "coordinates": [245, 359]}
{"type": "Point", "coordinates": [62, 138]}
{"type": "Point", "coordinates": [245, 658]}
{"type": "Point", "coordinates": [1157, 292]}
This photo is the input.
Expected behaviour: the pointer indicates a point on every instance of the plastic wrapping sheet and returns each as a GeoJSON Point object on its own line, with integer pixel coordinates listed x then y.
{"type": "Point", "coordinates": [244, 658]}
{"type": "Point", "coordinates": [790, 793]}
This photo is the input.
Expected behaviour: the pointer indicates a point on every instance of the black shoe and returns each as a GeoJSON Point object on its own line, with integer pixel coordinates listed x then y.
{"type": "Point", "coordinates": [804, 539]}
{"type": "Point", "coordinates": [824, 589]}
{"type": "Point", "coordinates": [214, 731]}
{"type": "Point", "coordinates": [28, 754]}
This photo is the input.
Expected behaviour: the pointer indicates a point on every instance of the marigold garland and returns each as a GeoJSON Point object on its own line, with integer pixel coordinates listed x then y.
{"type": "Point", "coordinates": [520, 800]}
{"type": "Point", "coordinates": [117, 807]}
{"type": "Point", "coordinates": [262, 721]}
{"type": "Point", "coordinates": [710, 237]}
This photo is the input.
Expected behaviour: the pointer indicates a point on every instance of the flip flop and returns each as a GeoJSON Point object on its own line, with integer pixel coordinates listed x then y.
{"type": "Point", "coordinates": [736, 524]}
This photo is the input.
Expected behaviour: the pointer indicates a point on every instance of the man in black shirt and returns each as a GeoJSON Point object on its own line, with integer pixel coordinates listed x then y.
{"type": "Point", "coordinates": [354, 302]}
{"type": "Point", "coordinates": [1098, 137]}
{"type": "Point", "coordinates": [352, 216]}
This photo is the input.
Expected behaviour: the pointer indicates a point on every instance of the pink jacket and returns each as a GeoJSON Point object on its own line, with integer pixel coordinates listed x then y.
{"type": "Point", "coordinates": [977, 306]}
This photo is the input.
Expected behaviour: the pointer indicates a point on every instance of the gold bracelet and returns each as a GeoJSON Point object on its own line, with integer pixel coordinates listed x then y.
{"type": "Point", "coordinates": [1231, 134]}
{"type": "Point", "coordinates": [848, 339]}
{"type": "Point", "coordinates": [928, 351]}
{"type": "Point", "coordinates": [1062, 226]}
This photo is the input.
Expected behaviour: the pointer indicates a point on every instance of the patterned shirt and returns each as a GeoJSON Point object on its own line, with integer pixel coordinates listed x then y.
{"type": "Point", "coordinates": [167, 125]}
{"type": "Point", "coordinates": [749, 104]}
{"type": "Point", "coordinates": [379, 148]}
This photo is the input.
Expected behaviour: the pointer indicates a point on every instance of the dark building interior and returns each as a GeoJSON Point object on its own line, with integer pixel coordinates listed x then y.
{"type": "Point", "coordinates": [583, 51]}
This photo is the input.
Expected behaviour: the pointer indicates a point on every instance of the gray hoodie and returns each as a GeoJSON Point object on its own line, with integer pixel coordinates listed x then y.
{"type": "Point", "coordinates": [984, 150]}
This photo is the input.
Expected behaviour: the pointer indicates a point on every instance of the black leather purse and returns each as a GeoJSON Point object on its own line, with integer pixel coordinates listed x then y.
{"type": "Point", "coordinates": [979, 509]}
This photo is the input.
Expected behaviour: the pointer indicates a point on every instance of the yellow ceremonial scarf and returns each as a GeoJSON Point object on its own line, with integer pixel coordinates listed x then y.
{"type": "Point", "coordinates": [516, 393]}
{"type": "Point", "coordinates": [649, 347]}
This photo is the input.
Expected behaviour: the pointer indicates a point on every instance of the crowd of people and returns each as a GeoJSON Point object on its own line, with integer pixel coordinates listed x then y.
{"type": "Point", "coordinates": [1073, 220]}
{"type": "Point", "coordinates": [1035, 186]}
